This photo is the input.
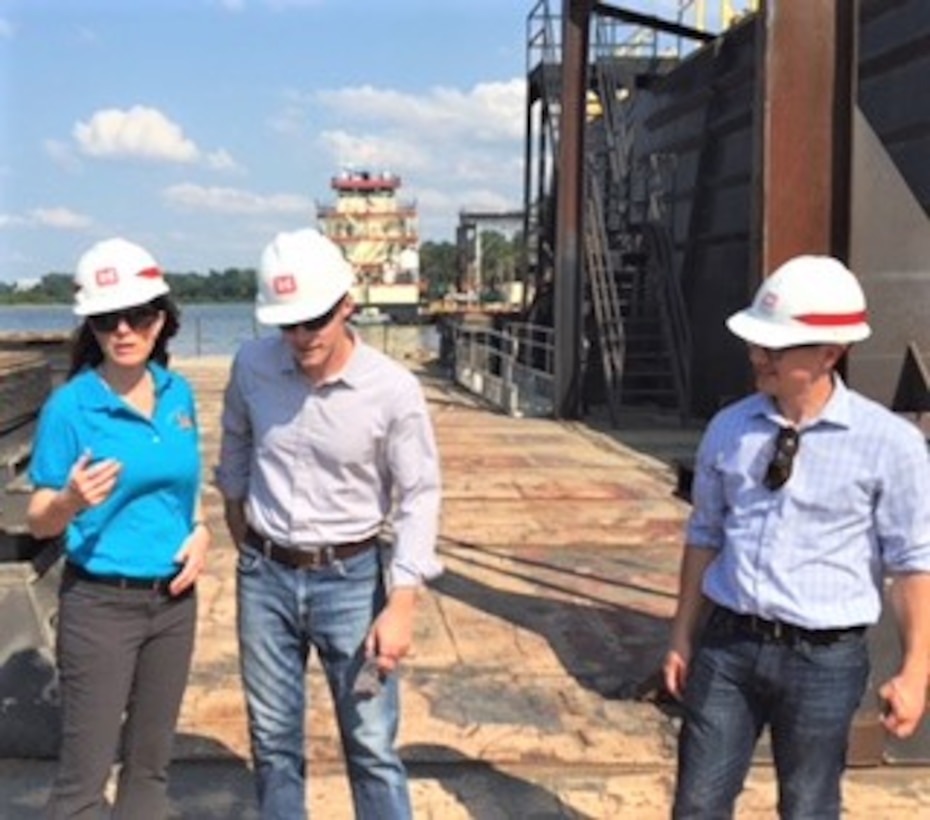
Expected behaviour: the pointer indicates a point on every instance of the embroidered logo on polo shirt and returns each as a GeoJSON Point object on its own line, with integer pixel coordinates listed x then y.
{"type": "Point", "coordinates": [182, 420]}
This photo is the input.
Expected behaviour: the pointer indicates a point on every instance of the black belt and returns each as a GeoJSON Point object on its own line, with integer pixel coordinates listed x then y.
{"type": "Point", "coordinates": [315, 558]}
{"type": "Point", "coordinates": [778, 632]}
{"type": "Point", "coordinates": [119, 581]}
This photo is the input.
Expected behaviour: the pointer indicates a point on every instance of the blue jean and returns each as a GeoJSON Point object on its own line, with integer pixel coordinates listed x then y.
{"type": "Point", "coordinates": [805, 693]}
{"type": "Point", "coordinates": [282, 614]}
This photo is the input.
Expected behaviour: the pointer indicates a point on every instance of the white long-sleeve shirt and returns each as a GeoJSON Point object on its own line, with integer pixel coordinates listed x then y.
{"type": "Point", "coordinates": [331, 463]}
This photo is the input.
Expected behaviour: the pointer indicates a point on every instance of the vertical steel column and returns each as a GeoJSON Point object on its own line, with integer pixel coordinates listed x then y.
{"type": "Point", "coordinates": [808, 95]}
{"type": "Point", "coordinates": [524, 273]}
{"type": "Point", "coordinates": [568, 262]}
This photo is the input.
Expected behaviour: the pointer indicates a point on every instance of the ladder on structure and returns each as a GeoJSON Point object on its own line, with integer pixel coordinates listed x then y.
{"type": "Point", "coordinates": [605, 298]}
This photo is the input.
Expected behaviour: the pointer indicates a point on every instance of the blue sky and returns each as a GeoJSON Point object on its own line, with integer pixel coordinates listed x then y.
{"type": "Point", "coordinates": [199, 128]}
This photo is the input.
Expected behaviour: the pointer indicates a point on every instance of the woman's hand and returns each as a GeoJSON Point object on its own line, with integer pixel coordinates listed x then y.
{"type": "Point", "coordinates": [90, 484]}
{"type": "Point", "coordinates": [50, 511]}
{"type": "Point", "coordinates": [192, 557]}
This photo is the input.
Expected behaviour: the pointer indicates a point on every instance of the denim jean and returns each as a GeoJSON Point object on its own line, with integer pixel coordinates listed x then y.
{"type": "Point", "coordinates": [284, 613]}
{"type": "Point", "coordinates": [805, 693]}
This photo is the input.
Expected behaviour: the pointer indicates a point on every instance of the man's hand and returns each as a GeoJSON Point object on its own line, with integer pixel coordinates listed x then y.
{"type": "Point", "coordinates": [905, 700]}
{"type": "Point", "coordinates": [391, 635]}
{"type": "Point", "coordinates": [675, 671]}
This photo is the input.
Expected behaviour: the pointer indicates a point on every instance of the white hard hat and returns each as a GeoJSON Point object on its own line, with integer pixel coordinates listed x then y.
{"type": "Point", "coordinates": [116, 274]}
{"type": "Point", "coordinates": [301, 276]}
{"type": "Point", "coordinates": [808, 300]}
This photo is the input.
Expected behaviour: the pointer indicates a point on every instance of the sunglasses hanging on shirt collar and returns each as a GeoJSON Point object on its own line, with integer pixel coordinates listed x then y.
{"type": "Point", "coordinates": [787, 443]}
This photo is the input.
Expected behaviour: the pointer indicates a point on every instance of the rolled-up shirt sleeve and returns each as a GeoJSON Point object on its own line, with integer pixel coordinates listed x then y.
{"type": "Point", "coordinates": [705, 527]}
{"type": "Point", "coordinates": [902, 510]}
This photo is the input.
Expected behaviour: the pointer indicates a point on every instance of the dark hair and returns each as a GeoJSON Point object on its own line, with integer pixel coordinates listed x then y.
{"type": "Point", "coordinates": [85, 352]}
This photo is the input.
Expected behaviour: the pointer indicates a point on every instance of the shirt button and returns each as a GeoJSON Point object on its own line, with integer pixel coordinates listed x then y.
{"type": "Point", "coordinates": [156, 440]}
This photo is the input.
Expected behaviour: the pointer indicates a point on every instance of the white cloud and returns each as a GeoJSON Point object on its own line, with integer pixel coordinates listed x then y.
{"type": "Point", "coordinates": [140, 132]}
{"type": "Point", "coordinates": [374, 151]}
{"type": "Point", "coordinates": [143, 133]}
{"type": "Point", "coordinates": [56, 218]}
{"type": "Point", "coordinates": [432, 200]}
{"type": "Point", "coordinates": [489, 112]}
{"type": "Point", "coordinates": [62, 218]}
{"type": "Point", "coordinates": [461, 149]}
{"type": "Point", "coordinates": [233, 201]}
{"type": "Point", "coordinates": [11, 221]}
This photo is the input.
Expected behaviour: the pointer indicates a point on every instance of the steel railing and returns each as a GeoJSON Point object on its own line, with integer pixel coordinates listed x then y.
{"type": "Point", "coordinates": [510, 367]}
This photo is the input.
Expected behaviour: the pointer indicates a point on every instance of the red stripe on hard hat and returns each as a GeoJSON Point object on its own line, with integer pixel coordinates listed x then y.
{"type": "Point", "coordinates": [824, 319]}
{"type": "Point", "coordinates": [149, 273]}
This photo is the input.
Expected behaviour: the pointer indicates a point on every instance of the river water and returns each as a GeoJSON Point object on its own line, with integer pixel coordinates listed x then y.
{"type": "Point", "coordinates": [217, 329]}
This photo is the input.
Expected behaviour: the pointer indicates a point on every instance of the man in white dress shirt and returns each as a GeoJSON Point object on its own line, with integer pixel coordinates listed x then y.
{"type": "Point", "coordinates": [325, 440]}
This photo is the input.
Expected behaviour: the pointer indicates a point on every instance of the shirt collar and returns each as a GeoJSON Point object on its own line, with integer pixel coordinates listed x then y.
{"type": "Point", "coordinates": [96, 394]}
{"type": "Point", "coordinates": [837, 411]}
{"type": "Point", "coordinates": [350, 373]}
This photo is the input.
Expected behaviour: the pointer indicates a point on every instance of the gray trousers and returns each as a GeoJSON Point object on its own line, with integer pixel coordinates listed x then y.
{"type": "Point", "coordinates": [123, 660]}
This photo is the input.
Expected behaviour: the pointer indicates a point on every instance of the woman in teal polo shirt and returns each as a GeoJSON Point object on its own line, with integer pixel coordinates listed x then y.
{"type": "Point", "coordinates": [116, 470]}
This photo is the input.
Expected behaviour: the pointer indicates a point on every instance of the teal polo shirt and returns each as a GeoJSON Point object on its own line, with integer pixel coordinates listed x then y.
{"type": "Point", "coordinates": [139, 528]}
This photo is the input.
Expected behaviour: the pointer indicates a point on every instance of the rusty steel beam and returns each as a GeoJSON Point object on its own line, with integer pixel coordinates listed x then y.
{"type": "Point", "coordinates": [808, 79]}
{"type": "Point", "coordinates": [576, 16]}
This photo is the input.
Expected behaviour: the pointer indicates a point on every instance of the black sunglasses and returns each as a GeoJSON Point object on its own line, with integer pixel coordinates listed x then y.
{"type": "Point", "coordinates": [311, 325]}
{"type": "Point", "coordinates": [140, 317]}
{"type": "Point", "coordinates": [787, 443]}
{"type": "Point", "coordinates": [776, 354]}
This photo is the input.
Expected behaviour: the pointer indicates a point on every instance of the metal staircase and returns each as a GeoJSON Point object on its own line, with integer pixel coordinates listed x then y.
{"type": "Point", "coordinates": [626, 273]}
{"type": "Point", "coordinates": [629, 287]}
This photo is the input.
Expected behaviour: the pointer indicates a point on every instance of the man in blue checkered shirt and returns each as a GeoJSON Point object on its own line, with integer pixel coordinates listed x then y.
{"type": "Point", "coordinates": [807, 496]}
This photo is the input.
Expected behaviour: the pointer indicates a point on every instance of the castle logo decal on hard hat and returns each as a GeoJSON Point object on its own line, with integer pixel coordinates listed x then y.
{"type": "Point", "coordinates": [106, 277]}
{"type": "Point", "coordinates": [284, 284]}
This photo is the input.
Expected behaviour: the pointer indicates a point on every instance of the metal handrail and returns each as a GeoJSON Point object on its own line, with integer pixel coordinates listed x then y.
{"type": "Point", "coordinates": [510, 367]}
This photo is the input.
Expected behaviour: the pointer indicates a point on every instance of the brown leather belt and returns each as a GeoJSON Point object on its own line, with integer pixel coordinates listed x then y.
{"type": "Point", "coordinates": [315, 558]}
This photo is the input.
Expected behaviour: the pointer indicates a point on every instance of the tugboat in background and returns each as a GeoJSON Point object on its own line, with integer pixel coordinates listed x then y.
{"type": "Point", "coordinates": [379, 235]}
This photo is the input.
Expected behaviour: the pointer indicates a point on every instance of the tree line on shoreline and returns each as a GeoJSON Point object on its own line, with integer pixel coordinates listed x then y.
{"type": "Point", "coordinates": [441, 265]}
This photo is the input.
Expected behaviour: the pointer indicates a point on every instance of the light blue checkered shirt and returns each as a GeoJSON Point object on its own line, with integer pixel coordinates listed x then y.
{"type": "Point", "coordinates": [812, 553]}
